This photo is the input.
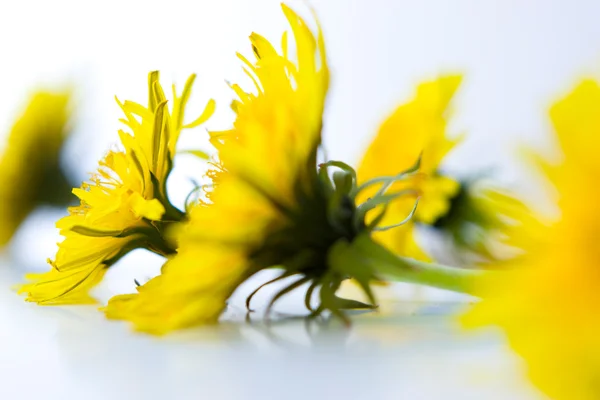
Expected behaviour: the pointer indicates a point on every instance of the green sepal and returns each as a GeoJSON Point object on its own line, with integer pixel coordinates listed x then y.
{"type": "Point", "coordinates": [381, 200]}
{"type": "Point", "coordinates": [92, 232]}
{"type": "Point", "coordinates": [349, 304]}
{"type": "Point", "coordinates": [404, 221]}
{"type": "Point", "coordinates": [340, 207]}
{"type": "Point", "coordinates": [345, 259]}
{"type": "Point", "coordinates": [341, 165]}
{"type": "Point", "coordinates": [387, 181]}
{"type": "Point", "coordinates": [343, 181]}
{"type": "Point", "coordinates": [325, 180]}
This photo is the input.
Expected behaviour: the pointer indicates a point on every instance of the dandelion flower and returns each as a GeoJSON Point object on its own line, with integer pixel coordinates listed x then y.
{"type": "Point", "coordinates": [471, 212]}
{"type": "Point", "coordinates": [415, 131]}
{"type": "Point", "coordinates": [547, 305]}
{"type": "Point", "coordinates": [30, 164]}
{"type": "Point", "coordinates": [124, 206]}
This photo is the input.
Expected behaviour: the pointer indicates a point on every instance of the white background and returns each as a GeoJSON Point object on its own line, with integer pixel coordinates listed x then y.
{"type": "Point", "coordinates": [517, 57]}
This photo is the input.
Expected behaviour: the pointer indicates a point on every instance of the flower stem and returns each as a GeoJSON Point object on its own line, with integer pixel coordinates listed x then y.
{"type": "Point", "coordinates": [404, 269]}
{"type": "Point", "coordinates": [440, 276]}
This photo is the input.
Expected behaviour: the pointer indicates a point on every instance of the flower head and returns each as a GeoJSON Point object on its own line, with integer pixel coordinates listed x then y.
{"type": "Point", "coordinates": [547, 305]}
{"type": "Point", "coordinates": [124, 205]}
{"type": "Point", "coordinates": [471, 212]}
{"type": "Point", "coordinates": [30, 173]}
{"type": "Point", "coordinates": [266, 177]}
{"type": "Point", "coordinates": [414, 133]}
{"type": "Point", "coordinates": [272, 205]}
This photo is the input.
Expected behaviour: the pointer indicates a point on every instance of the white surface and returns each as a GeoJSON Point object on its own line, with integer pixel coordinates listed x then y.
{"type": "Point", "coordinates": [415, 352]}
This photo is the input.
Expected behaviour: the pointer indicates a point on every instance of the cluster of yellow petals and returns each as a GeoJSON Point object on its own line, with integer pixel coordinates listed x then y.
{"type": "Point", "coordinates": [30, 157]}
{"type": "Point", "coordinates": [415, 131]}
{"type": "Point", "coordinates": [281, 121]}
{"type": "Point", "coordinates": [120, 204]}
{"type": "Point", "coordinates": [262, 159]}
{"type": "Point", "coordinates": [548, 305]}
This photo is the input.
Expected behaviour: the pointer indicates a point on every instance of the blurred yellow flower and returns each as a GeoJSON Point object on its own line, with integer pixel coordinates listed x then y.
{"type": "Point", "coordinates": [415, 132]}
{"type": "Point", "coordinates": [272, 206]}
{"type": "Point", "coordinates": [548, 304]}
{"type": "Point", "coordinates": [30, 173]}
{"type": "Point", "coordinates": [124, 205]}
{"type": "Point", "coordinates": [471, 212]}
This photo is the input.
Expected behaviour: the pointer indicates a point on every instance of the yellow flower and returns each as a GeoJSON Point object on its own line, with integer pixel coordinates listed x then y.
{"type": "Point", "coordinates": [548, 304]}
{"type": "Point", "coordinates": [30, 173]}
{"type": "Point", "coordinates": [272, 206]}
{"type": "Point", "coordinates": [414, 133]}
{"type": "Point", "coordinates": [472, 213]}
{"type": "Point", "coordinates": [124, 206]}
{"type": "Point", "coordinates": [253, 197]}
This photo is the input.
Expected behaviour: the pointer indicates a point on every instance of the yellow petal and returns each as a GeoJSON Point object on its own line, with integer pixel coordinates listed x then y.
{"type": "Point", "coordinates": [149, 209]}
{"type": "Point", "coordinates": [415, 129]}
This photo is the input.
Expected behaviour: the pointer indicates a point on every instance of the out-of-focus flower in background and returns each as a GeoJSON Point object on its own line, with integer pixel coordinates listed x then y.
{"type": "Point", "coordinates": [547, 304]}
{"type": "Point", "coordinates": [415, 132]}
{"type": "Point", "coordinates": [124, 206]}
{"type": "Point", "coordinates": [472, 212]}
{"type": "Point", "coordinates": [480, 215]}
{"type": "Point", "coordinates": [31, 174]}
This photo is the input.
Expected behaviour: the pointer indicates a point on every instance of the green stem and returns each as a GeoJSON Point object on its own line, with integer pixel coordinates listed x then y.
{"type": "Point", "coordinates": [404, 269]}
{"type": "Point", "coordinates": [436, 275]}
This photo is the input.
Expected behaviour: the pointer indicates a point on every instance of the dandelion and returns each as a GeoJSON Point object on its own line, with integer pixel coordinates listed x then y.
{"type": "Point", "coordinates": [273, 205]}
{"type": "Point", "coordinates": [124, 205]}
{"type": "Point", "coordinates": [415, 131]}
{"type": "Point", "coordinates": [30, 164]}
{"type": "Point", "coordinates": [547, 305]}
{"type": "Point", "coordinates": [471, 212]}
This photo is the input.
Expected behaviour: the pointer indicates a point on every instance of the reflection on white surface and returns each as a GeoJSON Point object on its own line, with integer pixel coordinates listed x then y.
{"type": "Point", "coordinates": [414, 353]}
